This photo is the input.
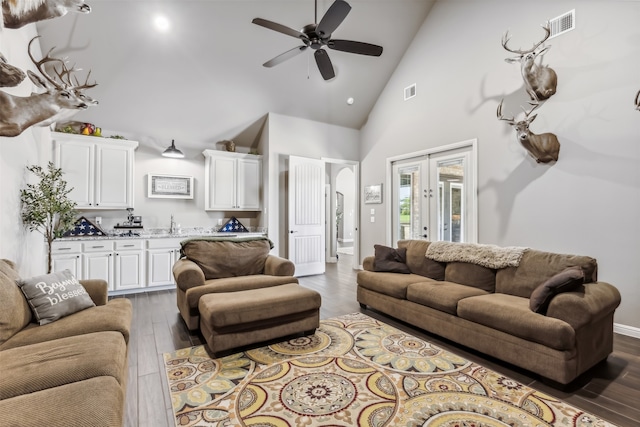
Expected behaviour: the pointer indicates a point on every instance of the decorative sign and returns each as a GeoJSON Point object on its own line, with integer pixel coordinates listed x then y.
{"type": "Point", "coordinates": [373, 193]}
{"type": "Point", "coordinates": [170, 186]}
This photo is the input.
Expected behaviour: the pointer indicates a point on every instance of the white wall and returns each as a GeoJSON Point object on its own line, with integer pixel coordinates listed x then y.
{"type": "Point", "coordinates": [589, 202]}
{"type": "Point", "coordinates": [345, 185]}
{"type": "Point", "coordinates": [305, 138]}
{"type": "Point", "coordinates": [31, 147]}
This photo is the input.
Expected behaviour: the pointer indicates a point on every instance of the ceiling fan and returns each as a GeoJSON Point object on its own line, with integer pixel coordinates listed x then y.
{"type": "Point", "coordinates": [318, 35]}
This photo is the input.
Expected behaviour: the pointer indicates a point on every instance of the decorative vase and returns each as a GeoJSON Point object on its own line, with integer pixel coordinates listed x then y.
{"type": "Point", "coordinates": [230, 146]}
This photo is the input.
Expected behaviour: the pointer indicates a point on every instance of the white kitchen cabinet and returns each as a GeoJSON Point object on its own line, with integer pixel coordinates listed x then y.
{"type": "Point", "coordinates": [129, 264]}
{"type": "Point", "coordinates": [161, 255]}
{"type": "Point", "coordinates": [233, 181]}
{"type": "Point", "coordinates": [67, 256]}
{"type": "Point", "coordinates": [100, 170]}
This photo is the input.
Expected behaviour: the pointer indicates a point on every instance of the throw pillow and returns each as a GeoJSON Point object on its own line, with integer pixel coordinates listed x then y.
{"type": "Point", "coordinates": [390, 260]}
{"type": "Point", "coordinates": [567, 280]}
{"type": "Point", "coordinates": [56, 295]}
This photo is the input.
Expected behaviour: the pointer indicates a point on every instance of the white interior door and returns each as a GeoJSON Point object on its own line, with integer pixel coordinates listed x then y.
{"type": "Point", "coordinates": [306, 215]}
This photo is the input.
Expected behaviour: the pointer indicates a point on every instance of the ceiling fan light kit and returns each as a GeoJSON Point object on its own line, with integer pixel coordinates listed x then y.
{"type": "Point", "coordinates": [318, 35]}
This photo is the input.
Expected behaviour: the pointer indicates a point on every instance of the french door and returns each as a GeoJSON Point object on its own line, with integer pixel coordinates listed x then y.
{"type": "Point", "coordinates": [433, 196]}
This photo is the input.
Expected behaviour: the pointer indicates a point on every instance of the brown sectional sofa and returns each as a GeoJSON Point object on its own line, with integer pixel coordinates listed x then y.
{"type": "Point", "coordinates": [71, 372]}
{"type": "Point", "coordinates": [488, 309]}
{"type": "Point", "coordinates": [225, 264]}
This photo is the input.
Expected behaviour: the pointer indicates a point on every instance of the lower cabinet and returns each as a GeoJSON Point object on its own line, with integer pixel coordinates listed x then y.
{"type": "Point", "coordinates": [126, 265]}
{"type": "Point", "coordinates": [161, 255]}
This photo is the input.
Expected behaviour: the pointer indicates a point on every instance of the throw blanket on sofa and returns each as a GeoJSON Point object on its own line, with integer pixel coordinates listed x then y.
{"type": "Point", "coordinates": [490, 256]}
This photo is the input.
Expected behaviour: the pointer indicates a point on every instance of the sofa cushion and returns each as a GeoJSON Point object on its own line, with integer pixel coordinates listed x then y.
{"type": "Point", "coordinates": [227, 257]}
{"type": "Point", "coordinates": [114, 316]}
{"type": "Point", "coordinates": [97, 402]}
{"type": "Point", "coordinates": [466, 273]}
{"type": "Point", "coordinates": [54, 363]}
{"type": "Point", "coordinates": [441, 295]}
{"type": "Point", "coordinates": [15, 313]}
{"type": "Point", "coordinates": [538, 266]}
{"type": "Point", "coordinates": [511, 314]}
{"type": "Point", "coordinates": [55, 295]}
{"type": "Point", "coordinates": [416, 261]}
{"type": "Point", "coordinates": [567, 280]}
{"type": "Point", "coordinates": [390, 260]}
{"type": "Point", "coordinates": [392, 284]}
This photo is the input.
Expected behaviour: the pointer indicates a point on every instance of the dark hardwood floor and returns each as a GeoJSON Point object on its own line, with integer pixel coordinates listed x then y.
{"type": "Point", "coordinates": [611, 390]}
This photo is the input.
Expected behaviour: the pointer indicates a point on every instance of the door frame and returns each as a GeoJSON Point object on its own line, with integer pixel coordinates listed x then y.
{"type": "Point", "coordinates": [356, 207]}
{"type": "Point", "coordinates": [472, 143]}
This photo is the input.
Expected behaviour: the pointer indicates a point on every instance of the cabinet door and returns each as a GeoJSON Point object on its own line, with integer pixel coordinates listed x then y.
{"type": "Point", "coordinates": [248, 184]}
{"type": "Point", "coordinates": [160, 264]}
{"type": "Point", "coordinates": [129, 269]}
{"type": "Point", "coordinates": [114, 177]}
{"type": "Point", "coordinates": [69, 262]}
{"type": "Point", "coordinates": [99, 265]}
{"type": "Point", "coordinates": [76, 159]}
{"type": "Point", "coordinates": [222, 183]}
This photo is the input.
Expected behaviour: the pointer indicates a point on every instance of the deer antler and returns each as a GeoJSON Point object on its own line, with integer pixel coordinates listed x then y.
{"type": "Point", "coordinates": [65, 77]}
{"type": "Point", "coordinates": [510, 120]}
{"type": "Point", "coordinates": [506, 38]}
{"type": "Point", "coordinates": [534, 104]}
{"type": "Point", "coordinates": [40, 64]}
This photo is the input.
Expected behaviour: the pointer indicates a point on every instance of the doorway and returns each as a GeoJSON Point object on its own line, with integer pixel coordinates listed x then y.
{"type": "Point", "coordinates": [434, 195]}
{"type": "Point", "coordinates": [342, 212]}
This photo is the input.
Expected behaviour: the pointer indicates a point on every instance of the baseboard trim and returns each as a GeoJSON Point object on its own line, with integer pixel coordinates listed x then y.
{"type": "Point", "coordinates": [629, 331]}
{"type": "Point", "coordinates": [332, 260]}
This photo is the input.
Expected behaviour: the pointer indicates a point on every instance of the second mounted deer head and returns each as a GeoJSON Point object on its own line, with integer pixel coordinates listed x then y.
{"type": "Point", "coordinates": [10, 76]}
{"type": "Point", "coordinates": [544, 148]}
{"type": "Point", "coordinates": [540, 81]}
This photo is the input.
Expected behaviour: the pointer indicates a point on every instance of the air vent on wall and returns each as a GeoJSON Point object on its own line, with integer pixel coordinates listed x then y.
{"type": "Point", "coordinates": [563, 23]}
{"type": "Point", "coordinates": [409, 91]}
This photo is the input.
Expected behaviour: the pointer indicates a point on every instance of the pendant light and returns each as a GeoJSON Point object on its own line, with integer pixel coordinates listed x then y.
{"type": "Point", "coordinates": [173, 151]}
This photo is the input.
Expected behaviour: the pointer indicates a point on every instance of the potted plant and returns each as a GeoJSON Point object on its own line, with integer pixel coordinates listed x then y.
{"type": "Point", "coordinates": [45, 205]}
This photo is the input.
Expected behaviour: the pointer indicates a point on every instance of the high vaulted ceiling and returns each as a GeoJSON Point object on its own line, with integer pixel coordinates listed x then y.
{"type": "Point", "coordinates": [202, 80]}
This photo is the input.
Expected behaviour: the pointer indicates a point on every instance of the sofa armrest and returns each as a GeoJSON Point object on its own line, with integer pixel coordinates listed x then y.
{"type": "Point", "coordinates": [187, 274]}
{"type": "Point", "coordinates": [97, 289]}
{"type": "Point", "coordinates": [277, 266]}
{"type": "Point", "coordinates": [578, 309]}
{"type": "Point", "coordinates": [367, 263]}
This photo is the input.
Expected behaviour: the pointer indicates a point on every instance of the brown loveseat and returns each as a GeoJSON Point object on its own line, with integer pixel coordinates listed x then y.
{"type": "Point", "coordinates": [490, 309]}
{"type": "Point", "coordinates": [225, 264]}
{"type": "Point", "coordinates": [71, 372]}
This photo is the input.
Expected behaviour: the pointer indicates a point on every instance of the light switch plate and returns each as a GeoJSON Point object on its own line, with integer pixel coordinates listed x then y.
{"type": "Point", "coordinates": [373, 219]}
{"type": "Point", "coordinates": [373, 211]}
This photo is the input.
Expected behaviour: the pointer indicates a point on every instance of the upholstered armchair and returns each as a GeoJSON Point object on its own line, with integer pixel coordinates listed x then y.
{"type": "Point", "coordinates": [225, 264]}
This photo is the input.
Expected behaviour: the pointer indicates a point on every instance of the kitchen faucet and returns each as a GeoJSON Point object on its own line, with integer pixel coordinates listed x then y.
{"type": "Point", "coordinates": [172, 226]}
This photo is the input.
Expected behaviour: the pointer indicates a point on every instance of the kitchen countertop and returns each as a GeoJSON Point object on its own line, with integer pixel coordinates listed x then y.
{"type": "Point", "coordinates": [155, 235]}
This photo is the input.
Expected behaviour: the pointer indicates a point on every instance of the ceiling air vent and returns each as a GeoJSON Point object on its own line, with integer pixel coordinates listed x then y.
{"type": "Point", "coordinates": [409, 92]}
{"type": "Point", "coordinates": [563, 23]}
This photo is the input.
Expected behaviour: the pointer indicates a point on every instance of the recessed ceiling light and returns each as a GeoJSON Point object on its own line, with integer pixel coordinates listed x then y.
{"type": "Point", "coordinates": [350, 101]}
{"type": "Point", "coordinates": [161, 23]}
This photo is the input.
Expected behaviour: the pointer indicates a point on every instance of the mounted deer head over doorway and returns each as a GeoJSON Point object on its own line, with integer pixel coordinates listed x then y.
{"type": "Point", "coordinates": [540, 81]}
{"type": "Point", "coordinates": [544, 147]}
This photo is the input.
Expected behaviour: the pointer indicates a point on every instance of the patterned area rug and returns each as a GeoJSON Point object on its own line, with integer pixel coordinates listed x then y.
{"type": "Point", "coordinates": [355, 371]}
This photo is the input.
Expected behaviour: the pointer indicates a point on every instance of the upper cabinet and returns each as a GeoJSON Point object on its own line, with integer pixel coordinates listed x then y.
{"type": "Point", "coordinates": [100, 170]}
{"type": "Point", "coordinates": [232, 181]}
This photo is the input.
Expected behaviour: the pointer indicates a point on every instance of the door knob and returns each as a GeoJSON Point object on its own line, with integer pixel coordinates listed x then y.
{"type": "Point", "coordinates": [292, 231]}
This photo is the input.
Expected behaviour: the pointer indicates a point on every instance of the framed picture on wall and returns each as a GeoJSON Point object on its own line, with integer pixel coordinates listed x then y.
{"type": "Point", "coordinates": [373, 193]}
{"type": "Point", "coordinates": [170, 186]}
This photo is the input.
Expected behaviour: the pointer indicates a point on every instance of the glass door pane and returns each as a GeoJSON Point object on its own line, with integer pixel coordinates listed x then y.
{"type": "Point", "coordinates": [449, 213]}
{"type": "Point", "coordinates": [409, 201]}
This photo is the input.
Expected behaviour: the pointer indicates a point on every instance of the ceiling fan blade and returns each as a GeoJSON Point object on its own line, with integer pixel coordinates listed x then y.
{"type": "Point", "coordinates": [324, 64]}
{"type": "Point", "coordinates": [355, 47]}
{"type": "Point", "coordinates": [284, 56]}
{"type": "Point", "coordinates": [280, 28]}
{"type": "Point", "coordinates": [333, 18]}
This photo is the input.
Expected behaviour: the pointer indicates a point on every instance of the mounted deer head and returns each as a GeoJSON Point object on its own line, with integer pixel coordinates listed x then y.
{"type": "Point", "coordinates": [544, 148]}
{"type": "Point", "coordinates": [10, 76]}
{"type": "Point", "coordinates": [638, 101]}
{"type": "Point", "coordinates": [540, 81]}
{"type": "Point", "coordinates": [18, 13]}
{"type": "Point", "coordinates": [18, 113]}
{"type": "Point", "coordinates": [65, 75]}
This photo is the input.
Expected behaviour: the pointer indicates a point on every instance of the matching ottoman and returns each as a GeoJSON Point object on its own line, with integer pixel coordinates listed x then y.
{"type": "Point", "coordinates": [234, 319]}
